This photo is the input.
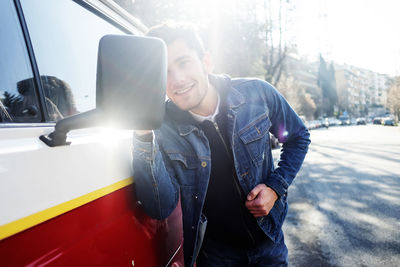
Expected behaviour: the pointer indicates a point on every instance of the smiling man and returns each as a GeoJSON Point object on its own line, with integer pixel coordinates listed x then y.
{"type": "Point", "coordinates": [213, 152]}
{"type": "Point", "coordinates": [188, 85]}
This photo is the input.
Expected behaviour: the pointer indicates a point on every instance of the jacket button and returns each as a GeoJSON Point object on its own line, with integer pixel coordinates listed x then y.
{"type": "Point", "coordinates": [195, 197]}
{"type": "Point", "coordinates": [203, 164]}
{"type": "Point", "coordinates": [193, 227]}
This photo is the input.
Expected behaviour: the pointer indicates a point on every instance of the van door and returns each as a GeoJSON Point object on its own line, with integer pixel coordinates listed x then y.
{"type": "Point", "coordinates": [69, 204]}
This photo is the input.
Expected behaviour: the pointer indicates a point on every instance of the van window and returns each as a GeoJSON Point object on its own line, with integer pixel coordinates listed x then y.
{"type": "Point", "coordinates": [18, 98]}
{"type": "Point", "coordinates": [65, 37]}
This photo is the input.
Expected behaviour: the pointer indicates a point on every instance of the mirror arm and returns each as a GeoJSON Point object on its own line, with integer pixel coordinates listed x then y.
{"type": "Point", "coordinates": [58, 137]}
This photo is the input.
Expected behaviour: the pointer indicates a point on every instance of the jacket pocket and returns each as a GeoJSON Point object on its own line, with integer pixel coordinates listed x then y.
{"type": "Point", "coordinates": [189, 162]}
{"type": "Point", "coordinates": [255, 137]}
{"type": "Point", "coordinates": [184, 166]}
{"type": "Point", "coordinates": [275, 218]}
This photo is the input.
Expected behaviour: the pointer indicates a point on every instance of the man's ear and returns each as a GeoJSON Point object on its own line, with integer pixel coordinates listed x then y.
{"type": "Point", "coordinates": [207, 62]}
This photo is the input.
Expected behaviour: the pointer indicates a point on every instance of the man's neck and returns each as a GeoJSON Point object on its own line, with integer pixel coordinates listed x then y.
{"type": "Point", "coordinates": [209, 103]}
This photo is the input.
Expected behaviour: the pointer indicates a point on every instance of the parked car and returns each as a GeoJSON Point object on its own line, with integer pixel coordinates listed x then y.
{"type": "Point", "coordinates": [310, 125]}
{"type": "Point", "coordinates": [333, 121]}
{"type": "Point", "coordinates": [70, 200]}
{"type": "Point", "coordinates": [317, 124]}
{"type": "Point", "coordinates": [388, 121]}
{"type": "Point", "coordinates": [324, 122]}
{"type": "Point", "coordinates": [377, 120]}
{"type": "Point", "coordinates": [361, 121]}
{"type": "Point", "coordinates": [344, 120]}
{"type": "Point", "coordinates": [274, 141]}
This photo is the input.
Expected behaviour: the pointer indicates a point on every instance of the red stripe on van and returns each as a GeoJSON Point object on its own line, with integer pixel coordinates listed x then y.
{"type": "Point", "coordinates": [110, 231]}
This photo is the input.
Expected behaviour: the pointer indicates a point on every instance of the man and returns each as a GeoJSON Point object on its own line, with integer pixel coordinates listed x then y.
{"type": "Point", "coordinates": [213, 152]}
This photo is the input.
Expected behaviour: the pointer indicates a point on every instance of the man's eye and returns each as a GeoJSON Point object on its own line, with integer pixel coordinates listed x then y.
{"type": "Point", "coordinates": [184, 63]}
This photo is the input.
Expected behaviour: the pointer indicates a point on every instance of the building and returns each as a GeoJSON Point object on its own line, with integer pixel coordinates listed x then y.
{"type": "Point", "coordinates": [361, 92]}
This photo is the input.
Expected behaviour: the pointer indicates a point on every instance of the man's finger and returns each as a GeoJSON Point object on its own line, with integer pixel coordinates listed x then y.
{"type": "Point", "coordinates": [253, 193]}
{"type": "Point", "coordinates": [254, 204]}
{"type": "Point", "coordinates": [257, 211]}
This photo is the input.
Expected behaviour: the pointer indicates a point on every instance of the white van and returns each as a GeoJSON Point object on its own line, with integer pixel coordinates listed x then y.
{"type": "Point", "coordinates": [73, 204]}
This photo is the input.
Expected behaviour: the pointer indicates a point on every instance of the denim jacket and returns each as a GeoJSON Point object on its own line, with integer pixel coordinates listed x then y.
{"type": "Point", "coordinates": [176, 164]}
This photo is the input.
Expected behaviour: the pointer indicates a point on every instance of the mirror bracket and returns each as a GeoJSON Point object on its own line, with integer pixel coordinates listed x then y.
{"type": "Point", "coordinates": [55, 139]}
{"type": "Point", "coordinates": [58, 137]}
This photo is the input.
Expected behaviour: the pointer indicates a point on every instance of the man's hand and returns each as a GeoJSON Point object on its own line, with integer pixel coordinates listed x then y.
{"type": "Point", "coordinates": [261, 200]}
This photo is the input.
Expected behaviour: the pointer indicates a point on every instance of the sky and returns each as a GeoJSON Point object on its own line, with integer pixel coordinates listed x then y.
{"type": "Point", "coordinates": [363, 33]}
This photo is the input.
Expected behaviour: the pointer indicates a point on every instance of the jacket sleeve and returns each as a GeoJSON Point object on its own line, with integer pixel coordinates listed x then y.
{"type": "Point", "coordinates": [155, 189]}
{"type": "Point", "coordinates": [291, 131]}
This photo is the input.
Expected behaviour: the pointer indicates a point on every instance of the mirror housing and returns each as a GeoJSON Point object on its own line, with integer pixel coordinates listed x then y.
{"type": "Point", "coordinates": [131, 81]}
{"type": "Point", "coordinates": [130, 88]}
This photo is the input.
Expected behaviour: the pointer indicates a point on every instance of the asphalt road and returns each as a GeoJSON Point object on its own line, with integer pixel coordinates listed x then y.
{"type": "Point", "coordinates": [344, 205]}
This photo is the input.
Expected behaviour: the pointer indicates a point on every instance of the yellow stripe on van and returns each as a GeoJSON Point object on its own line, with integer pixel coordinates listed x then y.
{"type": "Point", "coordinates": [17, 226]}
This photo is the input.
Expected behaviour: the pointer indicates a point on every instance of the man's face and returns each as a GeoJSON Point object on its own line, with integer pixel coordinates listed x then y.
{"type": "Point", "coordinates": [187, 82]}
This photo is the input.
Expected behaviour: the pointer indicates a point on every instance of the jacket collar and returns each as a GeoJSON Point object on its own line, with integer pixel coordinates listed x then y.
{"type": "Point", "coordinates": [235, 99]}
{"type": "Point", "coordinates": [222, 83]}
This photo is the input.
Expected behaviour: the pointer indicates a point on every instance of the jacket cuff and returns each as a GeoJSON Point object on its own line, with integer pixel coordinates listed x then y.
{"type": "Point", "coordinates": [144, 149]}
{"type": "Point", "coordinates": [278, 184]}
{"type": "Point", "coordinates": [144, 138]}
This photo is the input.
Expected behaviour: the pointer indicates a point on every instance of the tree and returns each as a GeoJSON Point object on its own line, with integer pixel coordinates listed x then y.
{"type": "Point", "coordinates": [276, 51]}
{"type": "Point", "coordinates": [242, 40]}
{"type": "Point", "coordinates": [297, 96]}
{"type": "Point", "coordinates": [152, 12]}
{"type": "Point", "coordinates": [231, 34]}
{"type": "Point", "coordinates": [327, 82]}
{"type": "Point", "coordinates": [393, 99]}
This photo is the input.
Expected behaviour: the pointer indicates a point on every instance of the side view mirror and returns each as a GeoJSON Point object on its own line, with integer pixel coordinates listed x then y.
{"type": "Point", "coordinates": [131, 81]}
{"type": "Point", "coordinates": [130, 88]}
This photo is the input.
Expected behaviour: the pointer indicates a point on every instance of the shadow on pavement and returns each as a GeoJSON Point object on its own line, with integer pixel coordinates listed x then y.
{"type": "Point", "coordinates": [344, 211]}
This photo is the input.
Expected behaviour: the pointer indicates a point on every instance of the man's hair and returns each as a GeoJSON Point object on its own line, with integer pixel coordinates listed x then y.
{"type": "Point", "coordinates": [169, 33]}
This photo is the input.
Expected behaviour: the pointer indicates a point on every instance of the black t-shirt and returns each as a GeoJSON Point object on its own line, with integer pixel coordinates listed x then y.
{"type": "Point", "coordinates": [229, 221]}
